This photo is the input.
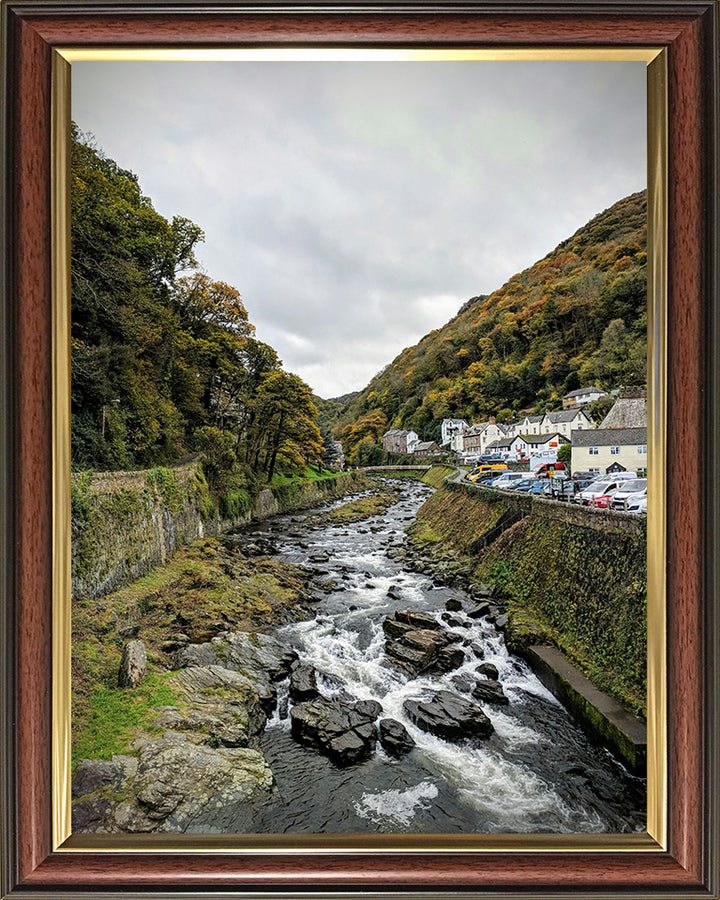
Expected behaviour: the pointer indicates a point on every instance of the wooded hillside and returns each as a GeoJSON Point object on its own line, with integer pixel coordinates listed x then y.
{"type": "Point", "coordinates": [164, 359]}
{"type": "Point", "coordinates": [575, 318]}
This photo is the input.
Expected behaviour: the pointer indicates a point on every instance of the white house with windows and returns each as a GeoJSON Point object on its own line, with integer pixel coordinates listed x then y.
{"type": "Point", "coordinates": [542, 448]}
{"type": "Point", "coordinates": [565, 422]}
{"type": "Point", "coordinates": [625, 449]}
{"type": "Point", "coordinates": [451, 427]}
{"type": "Point", "coordinates": [582, 396]}
{"type": "Point", "coordinates": [529, 425]}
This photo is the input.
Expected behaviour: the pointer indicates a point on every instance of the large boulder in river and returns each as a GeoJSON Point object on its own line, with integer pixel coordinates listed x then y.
{"type": "Point", "coordinates": [417, 619]}
{"type": "Point", "coordinates": [489, 691]}
{"type": "Point", "coordinates": [449, 716]}
{"type": "Point", "coordinates": [346, 735]}
{"type": "Point", "coordinates": [133, 664]}
{"type": "Point", "coordinates": [303, 682]}
{"type": "Point", "coordinates": [395, 629]}
{"type": "Point", "coordinates": [395, 738]}
{"type": "Point", "coordinates": [489, 670]}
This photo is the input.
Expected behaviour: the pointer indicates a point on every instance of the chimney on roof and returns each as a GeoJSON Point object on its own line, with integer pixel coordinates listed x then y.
{"type": "Point", "coordinates": [491, 420]}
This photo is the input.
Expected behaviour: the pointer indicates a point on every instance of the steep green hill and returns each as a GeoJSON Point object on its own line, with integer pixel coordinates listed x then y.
{"type": "Point", "coordinates": [575, 318]}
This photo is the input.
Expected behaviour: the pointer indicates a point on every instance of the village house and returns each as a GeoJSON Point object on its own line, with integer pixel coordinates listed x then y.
{"type": "Point", "coordinates": [423, 449]}
{"type": "Point", "coordinates": [493, 431]}
{"type": "Point", "coordinates": [450, 427]}
{"type": "Point", "coordinates": [628, 411]}
{"type": "Point", "coordinates": [529, 425]}
{"type": "Point", "coordinates": [565, 422]}
{"type": "Point", "coordinates": [620, 443]}
{"type": "Point", "coordinates": [540, 448]}
{"type": "Point", "coordinates": [398, 440]}
{"type": "Point", "coordinates": [582, 396]}
{"type": "Point", "coordinates": [472, 440]}
{"type": "Point", "coordinates": [618, 449]}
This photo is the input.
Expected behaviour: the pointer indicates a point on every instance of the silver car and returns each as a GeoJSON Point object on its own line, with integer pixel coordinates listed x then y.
{"type": "Point", "coordinates": [629, 492]}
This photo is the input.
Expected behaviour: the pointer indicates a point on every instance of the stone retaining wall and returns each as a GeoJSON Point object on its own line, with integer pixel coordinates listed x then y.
{"type": "Point", "coordinates": [124, 523]}
{"type": "Point", "coordinates": [606, 520]}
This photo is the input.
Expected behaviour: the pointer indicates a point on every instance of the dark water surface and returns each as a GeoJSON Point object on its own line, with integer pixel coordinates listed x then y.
{"type": "Point", "coordinates": [536, 773]}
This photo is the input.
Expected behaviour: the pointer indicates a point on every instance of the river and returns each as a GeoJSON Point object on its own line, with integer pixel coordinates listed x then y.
{"type": "Point", "coordinates": [537, 772]}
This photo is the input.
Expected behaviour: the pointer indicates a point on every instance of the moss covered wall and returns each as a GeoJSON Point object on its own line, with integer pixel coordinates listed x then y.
{"type": "Point", "coordinates": [579, 582]}
{"type": "Point", "coordinates": [124, 523]}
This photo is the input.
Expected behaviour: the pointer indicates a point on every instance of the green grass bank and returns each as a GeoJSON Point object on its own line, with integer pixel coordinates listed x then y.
{"type": "Point", "coordinates": [581, 589]}
{"type": "Point", "coordinates": [125, 523]}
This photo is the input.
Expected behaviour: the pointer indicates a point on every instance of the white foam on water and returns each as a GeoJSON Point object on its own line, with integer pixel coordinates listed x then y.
{"type": "Point", "coordinates": [396, 807]}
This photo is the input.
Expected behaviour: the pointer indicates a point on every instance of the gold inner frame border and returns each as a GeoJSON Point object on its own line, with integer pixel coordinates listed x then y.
{"type": "Point", "coordinates": [655, 838]}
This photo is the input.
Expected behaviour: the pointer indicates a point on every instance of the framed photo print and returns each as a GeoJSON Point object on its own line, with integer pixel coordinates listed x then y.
{"type": "Point", "coordinates": [360, 417]}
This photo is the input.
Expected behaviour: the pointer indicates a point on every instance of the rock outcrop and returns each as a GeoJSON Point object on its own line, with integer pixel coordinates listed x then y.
{"type": "Point", "coordinates": [346, 734]}
{"type": "Point", "coordinates": [133, 665]}
{"type": "Point", "coordinates": [177, 785]}
{"type": "Point", "coordinates": [449, 716]}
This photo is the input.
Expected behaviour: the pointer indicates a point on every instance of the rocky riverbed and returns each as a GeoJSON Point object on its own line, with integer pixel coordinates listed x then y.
{"type": "Point", "coordinates": [387, 702]}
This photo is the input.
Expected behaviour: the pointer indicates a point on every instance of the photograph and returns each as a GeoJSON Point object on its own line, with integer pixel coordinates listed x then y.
{"type": "Point", "coordinates": [359, 419]}
{"type": "Point", "coordinates": [359, 446]}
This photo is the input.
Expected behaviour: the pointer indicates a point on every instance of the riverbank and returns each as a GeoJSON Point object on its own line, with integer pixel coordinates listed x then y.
{"type": "Point", "coordinates": [125, 523]}
{"type": "Point", "coordinates": [580, 589]}
{"type": "Point", "coordinates": [338, 721]}
{"type": "Point", "coordinates": [213, 586]}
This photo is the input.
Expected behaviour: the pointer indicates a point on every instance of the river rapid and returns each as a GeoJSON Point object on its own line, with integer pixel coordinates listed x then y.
{"type": "Point", "coordinates": [537, 772]}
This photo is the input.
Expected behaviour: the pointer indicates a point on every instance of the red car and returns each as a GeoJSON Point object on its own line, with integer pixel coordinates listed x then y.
{"type": "Point", "coordinates": [603, 500]}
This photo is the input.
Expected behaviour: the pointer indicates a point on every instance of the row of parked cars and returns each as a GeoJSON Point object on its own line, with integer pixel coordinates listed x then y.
{"type": "Point", "coordinates": [624, 491]}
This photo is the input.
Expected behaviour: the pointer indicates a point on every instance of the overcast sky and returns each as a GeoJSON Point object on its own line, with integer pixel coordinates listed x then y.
{"type": "Point", "coordinates": [356, 206]}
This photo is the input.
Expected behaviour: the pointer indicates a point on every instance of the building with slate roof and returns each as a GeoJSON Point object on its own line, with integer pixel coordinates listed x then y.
{"type": "Point", "coordinates": [628, 411]}
{"type": "Point", "coordinates": [582, 396]}
{"type": "Point", "coordinates": [565, 422]}
{"type": "Point", "coordinates": [597, 450]}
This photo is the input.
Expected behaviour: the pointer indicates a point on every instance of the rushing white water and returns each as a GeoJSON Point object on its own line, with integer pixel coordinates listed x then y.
{"type": "Point", "coordinates": [537, 771]}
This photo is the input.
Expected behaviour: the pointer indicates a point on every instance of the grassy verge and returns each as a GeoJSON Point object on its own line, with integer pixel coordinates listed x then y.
{"type": "Point", "coordinates": [112, 717]}
{"type": "Point", "coordinates": [204, 588]}
{"type": "Point", "coordinates": [310, 473]}
{"type": "Point", "coordinates": [357, 510]}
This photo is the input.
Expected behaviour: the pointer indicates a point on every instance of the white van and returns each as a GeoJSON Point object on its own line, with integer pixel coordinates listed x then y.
{"type": "Point", "coordinates": [507, 480]}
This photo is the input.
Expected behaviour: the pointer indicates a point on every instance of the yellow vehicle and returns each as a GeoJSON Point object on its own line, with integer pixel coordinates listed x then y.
{"type": "Point", "coordinates": [486, 469]}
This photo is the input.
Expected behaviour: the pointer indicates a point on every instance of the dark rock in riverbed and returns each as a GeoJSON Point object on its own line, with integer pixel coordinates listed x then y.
{"type": "Point", "coordinates": [463, 682]}
{"type": "Point", "coordinates": [453, 605]}
{"type": "Point", "coordinates": [449, 658]}
{"type": "Point", "coordinates": [369, 708]}
{"type": "Point", "coordinates": [478, 611]}
{"type": "Point", "coordinates": [346, 735]}
{"type": "Point", "coordinates": [490, 692]}
{"type": "Point", "coordinates": [319, 557]}
{"type": "Point", "coordinates": [488, 670]}
{"type": "Point", "coordinates": [303, 682]}
{"type": "Point", "coordinates": [449, 716]}
{"type": "Point", "coordinates": [417, 619]}
{"type": "Point", "coordinates": [394, 738]}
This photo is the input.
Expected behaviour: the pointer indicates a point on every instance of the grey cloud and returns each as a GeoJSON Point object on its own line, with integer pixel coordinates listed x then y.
{"type": "Point", "coordinates": [356, 206]}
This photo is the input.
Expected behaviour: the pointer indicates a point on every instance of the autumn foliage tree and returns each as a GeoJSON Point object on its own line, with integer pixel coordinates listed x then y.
{"type": "Point", "coordinates": [164, 358]}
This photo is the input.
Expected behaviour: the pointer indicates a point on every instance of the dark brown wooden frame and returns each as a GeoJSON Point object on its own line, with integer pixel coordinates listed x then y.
{"type": "Point", "coordinates": [689, 31]}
